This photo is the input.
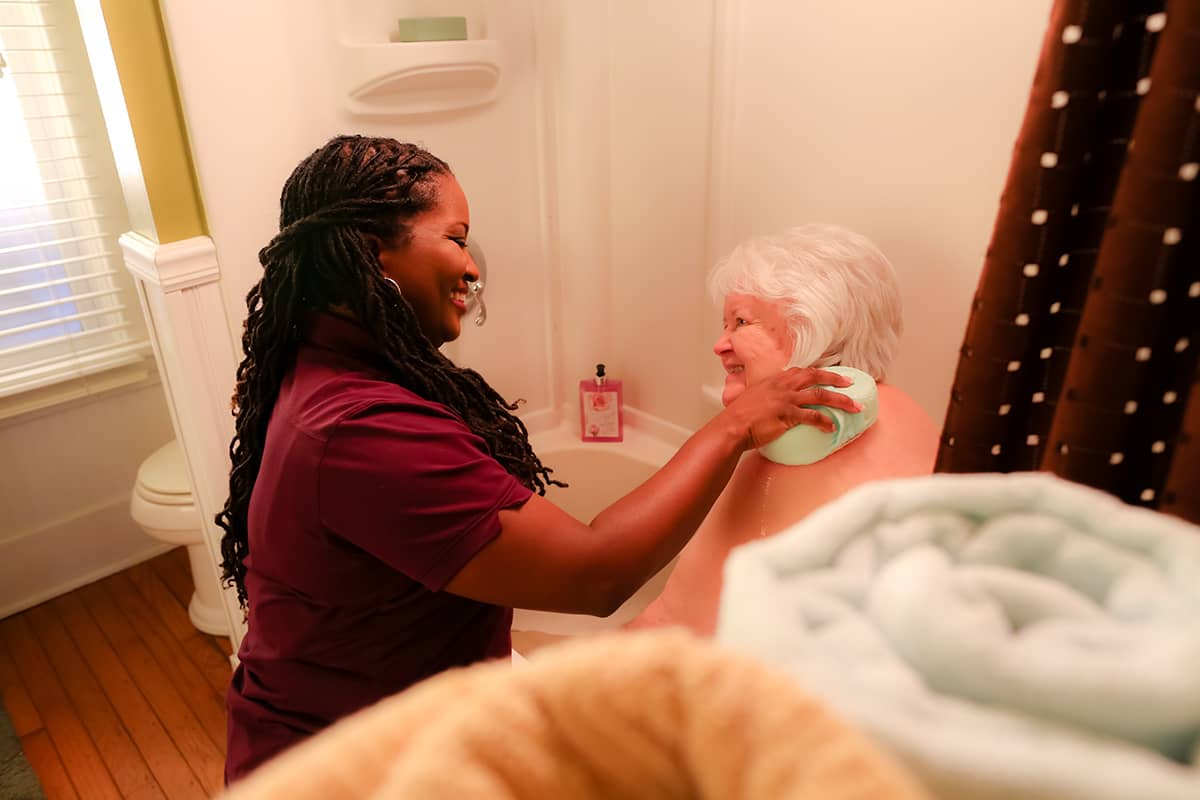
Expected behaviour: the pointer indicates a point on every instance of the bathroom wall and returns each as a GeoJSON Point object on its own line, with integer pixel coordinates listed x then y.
{"type": "Point", "coordinates": [631, 145]}
{"type": "Point", "coordinates": [65, 482]}
{"type": "Point", "coordinates": [894, 119]}
{"type": "Point", "coordinates": [273, 94]}
{"type": "Point", "coordinates": [630, 107]}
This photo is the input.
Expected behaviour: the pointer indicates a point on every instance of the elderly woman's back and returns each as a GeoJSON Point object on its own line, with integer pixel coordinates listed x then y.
{"type": "Point", "coordinates": [764, 498]}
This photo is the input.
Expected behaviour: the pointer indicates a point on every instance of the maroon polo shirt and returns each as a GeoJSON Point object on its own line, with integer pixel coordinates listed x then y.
{"type": "Point", "coordinates": [368, 501]}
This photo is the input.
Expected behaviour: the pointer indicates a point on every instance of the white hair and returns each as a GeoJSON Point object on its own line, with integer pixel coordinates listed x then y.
{"type": "Point", "coordinates": [840, 294]}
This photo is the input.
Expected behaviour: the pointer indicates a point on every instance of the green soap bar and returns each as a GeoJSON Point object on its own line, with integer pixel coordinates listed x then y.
{"type": "Point", "coordinates": [431, 29]}
{"type": "Point", "coordinates": [805, 444]}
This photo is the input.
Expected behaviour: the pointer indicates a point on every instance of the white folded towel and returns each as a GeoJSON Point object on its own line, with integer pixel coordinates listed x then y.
{"type": "Point", "coordinates": [1011, 635]}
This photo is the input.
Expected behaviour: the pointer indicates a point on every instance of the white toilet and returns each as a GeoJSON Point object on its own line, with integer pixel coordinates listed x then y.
{"type": "Point", "coordinates": [162, 506]}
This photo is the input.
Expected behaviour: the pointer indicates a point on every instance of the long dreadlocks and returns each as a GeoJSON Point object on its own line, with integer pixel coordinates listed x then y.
{"type": "Point", "coordinates": [346, 192]}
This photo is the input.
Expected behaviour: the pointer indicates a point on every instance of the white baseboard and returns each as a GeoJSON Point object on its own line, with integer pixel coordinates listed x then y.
{"type": "Point", "coordinates": [36, 566]}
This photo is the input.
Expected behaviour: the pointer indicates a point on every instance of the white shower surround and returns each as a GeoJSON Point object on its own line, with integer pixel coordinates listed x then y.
{"type": "Point", "coordinates": [617, 163]}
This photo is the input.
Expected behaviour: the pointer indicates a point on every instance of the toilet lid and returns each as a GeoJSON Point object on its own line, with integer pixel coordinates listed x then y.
{"type": "Point", "coordinates": [165, 473]}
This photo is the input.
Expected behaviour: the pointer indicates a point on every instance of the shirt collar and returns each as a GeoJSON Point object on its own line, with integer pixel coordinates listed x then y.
{"type": "Point", "coordinates": [330, 332]}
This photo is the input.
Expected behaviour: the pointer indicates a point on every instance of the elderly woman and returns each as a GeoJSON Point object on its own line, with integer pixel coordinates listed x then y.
{"type": "Point", "coordinates": [815, 295]}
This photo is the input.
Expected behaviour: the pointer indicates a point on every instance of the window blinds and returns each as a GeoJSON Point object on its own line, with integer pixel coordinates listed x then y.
{"type": "Point", "coordinates": [68, 308]}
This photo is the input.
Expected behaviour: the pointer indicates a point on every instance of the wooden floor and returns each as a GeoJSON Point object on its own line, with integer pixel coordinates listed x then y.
{"type": "Point", "coordinates": [113, 692]}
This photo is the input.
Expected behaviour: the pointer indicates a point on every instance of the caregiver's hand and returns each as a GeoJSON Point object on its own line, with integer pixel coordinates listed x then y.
{"type": "Point", "coordinates": [766, 409]}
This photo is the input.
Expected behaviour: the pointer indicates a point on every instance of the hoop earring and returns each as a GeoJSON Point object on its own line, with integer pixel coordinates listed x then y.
{"type": "Point", "coordinates": [395, 285]}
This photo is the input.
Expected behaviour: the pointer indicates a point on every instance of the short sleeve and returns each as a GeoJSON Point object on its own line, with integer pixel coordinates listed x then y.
{"type": "Point", "coordinates": [414, 487]}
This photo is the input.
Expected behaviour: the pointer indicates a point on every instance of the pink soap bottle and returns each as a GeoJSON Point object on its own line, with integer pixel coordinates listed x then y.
{"type": "Point", "coordinates": [601, 414]}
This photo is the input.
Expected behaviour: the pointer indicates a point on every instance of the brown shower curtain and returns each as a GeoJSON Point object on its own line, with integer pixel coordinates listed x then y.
{"type": "Point", "coordinates": [1080, 355]}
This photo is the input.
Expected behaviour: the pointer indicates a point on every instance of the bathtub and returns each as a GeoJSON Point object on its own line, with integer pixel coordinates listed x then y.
{"type": "Point", "coordinates": [598, 474]}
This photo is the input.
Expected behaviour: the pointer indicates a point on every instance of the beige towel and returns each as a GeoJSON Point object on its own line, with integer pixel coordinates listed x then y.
{"type": "Point", "coordinates": [656, 714]}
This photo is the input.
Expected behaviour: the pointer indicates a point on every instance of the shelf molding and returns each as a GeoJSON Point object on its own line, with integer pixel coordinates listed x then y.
{"type": "Point", "coordinates": [419, 77]}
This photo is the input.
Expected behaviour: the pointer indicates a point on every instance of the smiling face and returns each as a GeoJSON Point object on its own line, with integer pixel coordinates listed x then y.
{"type": "Point", "coordinates": [756, 342]}
{"type": "Point", "coordinates": [432, 266]}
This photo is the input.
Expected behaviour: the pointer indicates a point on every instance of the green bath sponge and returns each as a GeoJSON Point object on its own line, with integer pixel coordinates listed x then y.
{"type": "Point", "coordinates": [805, 444]}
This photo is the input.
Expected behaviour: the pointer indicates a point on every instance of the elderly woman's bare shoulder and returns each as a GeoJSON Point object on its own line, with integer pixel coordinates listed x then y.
{"type": "Point", "coordinates": [906, 431]}
{"type": "Point", "coordinates": [895, 402]}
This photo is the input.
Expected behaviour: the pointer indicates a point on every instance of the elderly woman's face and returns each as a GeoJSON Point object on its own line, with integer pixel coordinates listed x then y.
{"type": "Point", "coordinates": [756, 342]}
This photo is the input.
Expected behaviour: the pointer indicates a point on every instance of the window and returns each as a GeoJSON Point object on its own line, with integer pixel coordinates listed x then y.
{"type": "Point", "coordinates": [68, 308]}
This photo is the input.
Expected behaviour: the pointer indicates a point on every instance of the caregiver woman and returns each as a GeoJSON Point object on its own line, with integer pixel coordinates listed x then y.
{"type": "Point", "coordinates": [384, 511]}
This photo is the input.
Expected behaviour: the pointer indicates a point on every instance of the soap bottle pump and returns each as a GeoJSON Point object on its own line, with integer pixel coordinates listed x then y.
{"type": "Point", "coordinates": [601, 411]}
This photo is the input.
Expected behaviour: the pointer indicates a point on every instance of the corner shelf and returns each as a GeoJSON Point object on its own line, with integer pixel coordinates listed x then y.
{"type": "Point", "coordinates": [418, 77]}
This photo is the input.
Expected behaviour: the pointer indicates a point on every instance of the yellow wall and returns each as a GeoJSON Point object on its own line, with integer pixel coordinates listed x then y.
{"type": "Point", "coordinates": [143, 61]}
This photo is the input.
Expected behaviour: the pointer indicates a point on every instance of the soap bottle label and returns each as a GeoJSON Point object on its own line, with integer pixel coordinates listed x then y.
{"type": "Point", "coordinates": [600, 414]}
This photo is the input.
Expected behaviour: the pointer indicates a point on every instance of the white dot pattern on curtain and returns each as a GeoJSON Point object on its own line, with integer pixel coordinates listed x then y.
{"type": "Point", "coordinates": [1080, 329]}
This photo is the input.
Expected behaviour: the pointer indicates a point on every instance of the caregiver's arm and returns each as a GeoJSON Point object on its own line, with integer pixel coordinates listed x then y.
{"type": "Point", "coordinates": [546, 559]}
